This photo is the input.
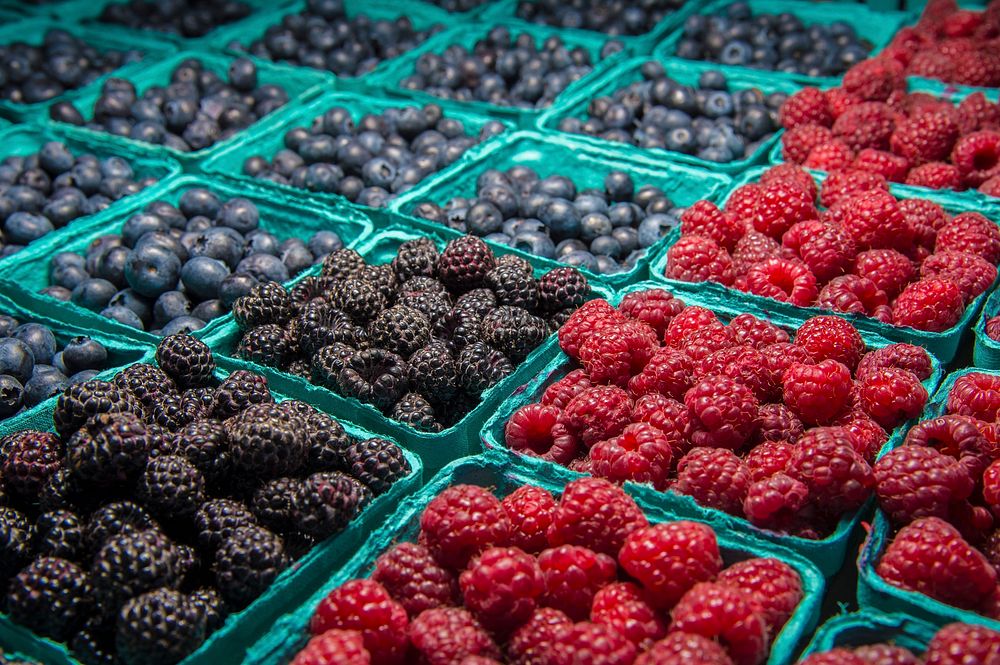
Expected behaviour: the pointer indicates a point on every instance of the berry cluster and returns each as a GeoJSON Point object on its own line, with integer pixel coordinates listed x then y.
{"type": "Point", "coordinates": [173, 268]}
{"type": "Point", "coordinates": [904, 262]}
{"type": "Point", "coordinates": [707, 120]}
{"type": "Point", "coordinates": [196, 110]}
{"type": "Point", "coordinates": [166, 500]}
{"type": "Point", "coordinates": [420, 338]}
{"type": "Point", "coordinates": [953, 644]}
{"type": "Point", "coordinates": [48, 189]}
{"type": "Point", "coordinates": [370, 161]}
{"type": "Point", "coordinates": [739, 416]}
{"type": "Point", "coordinates": [604, 230]}
{"type": "Point", "coordinates": [942, 490]}
{"type": "Point", "coordinates": [529, 580]}
{"type": "Point", "coordinates": [188, 18]}
{"type": "Point", "coordinates": [616, 17]}
{"type": "Point", "coordinates": [872, 128]}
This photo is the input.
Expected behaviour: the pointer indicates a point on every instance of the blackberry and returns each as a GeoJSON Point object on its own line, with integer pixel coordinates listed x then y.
{"type": "Point", "coordinates": [172, 486]}
{"type": "Point", "coordinates": [188, 563]}
{"type": "Point", "coordinates": [513, 287]}
{"type": "Point", "coordinates": [52, 596]}
{"type": "Point", "coordinates": [321, 324]}
{"type": "Point", "coordinates": [324, 503]}
{"type": "Point", "coordinates": [417, 285]}
{"type": "Point", "coordinates": [401, 330]}
{"type": "Point", "coordinates": [90, 398]}
{"type": "Point", "coordinates": [327, 363]}
{"type": "Point", "coordinates": [203, 397]}
{"type": "Point", "coordinates": [266, 442]}
{"type": "Point", "coordinates": [433, 372]}
{"type": "Point", "coordinates": [160, 627]}
{"type": "Point", "coordinates": [514, 330]}
{"type": "Point", "coordinates": [146, 382]}
{"type": "Point", "coordinates": [342, 264]}
{"type": "Point", "coordinates": [109, 450]}
{"type": "Point", "coordinates": [362, 494]}
{"type": "Point", "coordinates": [464, 264]}
{"type": "Point", "coordinates": [460, 327]}
{"type": "Point", "coordinates": [247, 563]}
{"type": "Point", "coordinates": [326, 439]}
{"type": "Point", "coordinates": [413, 410]}
{"type": "Point", "coordinates": [238, 391]}
{"type": "Point", "coordinates": [204, 444]}
{"type": "Point", "coordinates": [271, 503]}
{"type": "Point", "coordinates": [265, 345]}
{"type": "Point", "coordinates": [360, 299]}
{"type": "Point", "coordinates": [132, 563]}
{"type": "Point", "coordinates": [377, 463]}
{"type": "Point", "coordinates": [562, 288]}
{"type": "Point", "coordinates": [481, 367]}
{"type": "Point", "coordinates": [515, 261]}
{"type": "Point", "coordinates": [559, 319]}
{"type": "Point", "coordinates": [188, 361]}
{"type": "Point", "coordinates": [60, 533]}
{"type": "Point", "coordinates": [375, 376]}
{"type": "Point", "coordinates": [172, 412]}
{"type": "Point", "coordinates": [217, 519]}
{"type": "Point", "coordinates": [209, 602]}
{"type": "Point", "coordinates": [416, 258]}
{"type": "Point", "coordinates": [480, 301]}
{"type": "Point", "coordinates": [16, 536]}
{"type": "Point", "coordinates": [30, 458]}
{"type": "Point", "coordinates": [94, 643]}
{"type": "Point", "coordinates": [62, 492]}
{"type": "Point", "coordinates": [299, 367]}
{"type": "Point", "coordinates": [432, 305]}
{"type": "Point", "coordinates": [384, 279]}
{"type": "Point", "coordinates": [115, 519]}
{"type": "Point", "coordinates": [268, 302]}
{"type": "Point", "coordinates": [310, 289]}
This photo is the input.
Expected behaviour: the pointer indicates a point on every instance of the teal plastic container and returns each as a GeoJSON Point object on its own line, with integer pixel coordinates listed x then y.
{"type": "Point", "coordinates": [827, 554]}
{"type": "Point", "coordinates": [986, 352]}
{"type": "Point", "coordinates": [289, 590]}
{"type": "Point", "coordinates": [687, 73]}
{"type": "Point", "coordinates": [586, 163]}
{"type": "Point", "coordinates": [863, 628]}
{"type": "Point", "coordinates": [944, 345]}
{"type": "Point", "coordinates": [284, 216]}
{"type": "Point", "coordinates": [290, 633]}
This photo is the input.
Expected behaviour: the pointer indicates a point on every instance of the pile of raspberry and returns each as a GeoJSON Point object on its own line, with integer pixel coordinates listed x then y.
{"type": "Point", "coordinates": [532, 580]}
{"type": "Point", "coordinates": [848, 246]}
{"type": "Point", "coordinates": [952, 645]}
{"type": "Point", "coordinates": [941, 489]}
{"type": "Point", "coordinates": [737, 416]}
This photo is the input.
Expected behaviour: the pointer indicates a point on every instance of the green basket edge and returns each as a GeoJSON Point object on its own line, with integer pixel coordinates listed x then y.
{"type": "Point", "coordinates": [900, 629]}
{"type": "Point", "coordinates": [986, 350]}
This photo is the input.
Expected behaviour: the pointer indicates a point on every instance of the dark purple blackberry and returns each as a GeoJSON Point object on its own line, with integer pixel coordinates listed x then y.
{"type": "Point", "coordinates": [16, 538]}
{"type": "Point", "coordinates": [266, 442]}
{"type": "Point", "coordinates": [413, 410]}
{"type": "Point", "coordinates": [481, 367]}
{"type": "Point", "coordinates": [513, 287]}
{"type": "Point", "coordinates": [375, 376]}
{"type": "Point", "coordinates": [205, 445]}
{"type": "Point", "coordinates": [132, 563]}
{"type": "Point", "coordinates": [62, 491]}
{"type": "Point", "coordinates": [109, 450]}
{"type": "Point", "coordinates": [115, 519]}
{"type": "Point", "coordinates": [173, 411]}
{"type": "Point", "coordinates": [401, 330]}
{"type": "Point", "coordinates": [342, 264]}
{"type": "Point", "coordinates": [514, 330]}
{"type": "Point", "coordinates": [358, 298]}
{"type": "Point", "coordinates": [188, 562]}
{"type": "Point", "coordinates": [417, 285]}
{"type": "Point", "coordinates": [172, 487]}
{"type": "Point", "coordinates": [247, 563]}
{"type": "Point", "coordinates": [210, 603]}
{"type": "Point", "coordinates": [188, 361]}
{"type": "Point", "coordinates": [216, 520]}
{"type": "Point", "coordinates": [561, 289]}
{"type": "Point", "coordinates": [81, 401]}
{"type": "Point", "coordinates": [310, 289]}
{"type": "Point", "coordinates": [459, 327]}
{"type": "Point", "coordinates": [559, 319]}
{"type": "Point", "coordinates": [52, 596]}
{"type": "Point", "coordinates": [325, 437]}
{"type": "Point", "coordinates": [480, 301]}
{"type": "Point", "coordinates": [433, 373]}
{"type": "Point", "coordinates": [464, 264]}
{"type": "Point", "coordinates": [384, 279]}
{"type": "Point", "coordinates": [378, 463]}
{"type": "Point", "coordinates": [204, 397]}
{"type": "Point", "coordinates": [416, 258]}
{"type": "Point", "coordinates": [362, 493]}
{"type": "Point", "coordinates": [324, 503]}
{"type": "Point", "coordinates": [515, 261]}
{"type": "Point", "coordinates": [271, 503]}
{"type": "Point", "coordinates": [299, 367]}
{"type": "Point", "coordinates": [327, 363]}
{"type": "Point", "coordinates": [268, 302]}
{"type": "Point", "coordinates": [265, 345]}
{"type": "Point", "coordinates": [160, 627]}
{"type": "Point", "coordinates": [60, 533]}
{"type": "Point", "coordinates": [321, 324]}
{"type": "Point", "coordinates": [238, 391]}
{"type": "Point", "coordinates": [94, 643]}
{"type": "Point", "coordinates": [30, 459]}
{"type": "Point", "coordinates": [432, 305]}
{"type": "Point", "coordinates": [147, 382]}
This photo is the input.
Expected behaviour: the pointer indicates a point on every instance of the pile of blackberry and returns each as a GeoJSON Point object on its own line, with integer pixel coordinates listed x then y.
{"type": "Point", "coordinates": [165, 500]}
{"type": "Point", "coordinates": [420, 338]}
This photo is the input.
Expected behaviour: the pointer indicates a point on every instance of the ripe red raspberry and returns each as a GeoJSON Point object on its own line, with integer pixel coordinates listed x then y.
{"type": "Point", "coordinates": [930, 556]}
{"type": "Point", "coordinates": [930, 64]}
{"type": "Point", "coordinates": [717, 611]}
{"type": "Point", "coordinates": [890, 270]}
{"type": "Point", "coordinates": [831, 337]}
{"type": "Point", "coordinates": [775, 501]}
{"type": "Point", "coordinates": [562, 391]}
{"type": "Point", "coordinates": [573, 574]}
{"type": "Point", "coordinates": [786, 280]}
{"type": "Point", "coordinates": [365, 606]}
{"type": "Point", "coordinates": [535, 430]}
{"type": "Point", "coordinates": [817, 393]}
{"type": "Point", "coordinates": [829, 156]}
{"type": "Point", "coordinates": [805, 106]}
{"type": "Point", "coordinates": [668, 372]}
{"type": "Point", "coordinates": [868, 435]}
{"type": "Point", "coordinates": [746, 365]}
{"type": "Point", "coordinates": [914, 481]}
{"type": "Point", "coordinates": [891, 396]}
{"type": "Point", "coordinates": [883, 163]}
{"type": "Point", "coordinates": [886, 654]}
{"type": "Point", "coordinates": [793, 239]}
{"type": "Point", "coordinates": [587, 642]}
{"type": "Point", "coordinates": [598, 413]}
{"type": "Point", "coordinates": [976, 112]}
{"type": "Point", "coordinates": [844, 183]}
{"type": "Point", "coordinates": [827, 253]}
{"type": "Point", "coordinates": [838, 656]}
{"type": "Point", "coordinates": [501, 588]}
{"type": "Point", "coordinates": [791, 173]}
{"type": "Point", "coordinates": [530, 510]}
{"type": "Point", "coordinates": [723, 412]}
{"type": "Point", "coordinates": [971, 273]}
{"type": "Point", "coordinates": [874, 79]}
{"type": "Point", "coordinates": [701, 344]}
{"type": "Point", "coordinates": [334, 646]}
{"type": "Point", "coordinates": [715, 478]}
{"type": "Point", "coordinates": [596, 514]}
{"type": "Point", "coordinates": [991, 187]}
{"type": "Point", "coordinates": [623, 607]}
{"type": "Point", "coordinates": [590, 317]}
{"type": "Point", "coordinates": [447, 635]}
{"type": "Point", "coordinates": [932, 304]}
{"type": "Point", "coordinates": [934, 175]}
{"type": "Point", "coordinates": [753, 248]}
{"type": "Point", "coordinates": [774, 585]}
{"type": "Point", "coordinates": [771, 456]}
{"type": "Point", "coordinates": [976, 69]}
{"type": "Point", "coordinates": [755, 332]}
{"type": "Point", "coordinates": [742, 203]}
{"type": "Point", "coordinates": [926, 137]}
{"type": "Point", "coordinates": [957, 436]}
{"type": "Point", "coordinates": [776, 423]}
{"type": "Point", "coordinates": [461, 522]}
{"type": "Point", "coordinates": [865, 125]}
{"type": "Point", "coordinates": [839, 100]}
{"type": "Point", "coordinates": [960, 643]}
{"type": "Point", "coordinates": [692, 319]}
{"type": "Point", "coordinates": [616, 354]}
{"type": "Point", "coordinates": [991, 487]}
{"type": "Point", "coordinates": [976, 394]}
{"type": "Point", "coordinates": [668, 559]}
{"type": "Point", "coordinates": [783, 355]}
{"type": "Point", "coordinates": [904, 356]}
{"type": "Point", "coordinates": [921, 212]}
{"type": "Point", "coordinates": [873, 220]}
{"type": "Point", "coordinates": [977, 157]}
{"type": "Point", "coordinates": [654, 307]}
{"type": "Point", "coordinates": [850, 294]}
{"type": "Point", "coordinates": [838, 478]}
{"type": "Point", "coordinates": [970, 232]}
{"type": "Point", "coordinates": [780, 205]}
{"type": "Point", "coordinates": [685, 649]}
{"type": "Point", "coordinates": [704, 218]}
{"type": "Point", "coordinates": [667, 415]}
{"type": "Point", "coordinates": [699, 259]}
{"type": "Point", "coordinates": [410, 575]}
{"type": "Point", "coordinates": [531, 642]}
{"type": "Point", "coordinates": [640, 454]}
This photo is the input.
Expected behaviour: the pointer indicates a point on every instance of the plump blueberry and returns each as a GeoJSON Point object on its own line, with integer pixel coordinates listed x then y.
{"type": "Point", "coordinates": [152, 270]}
{"type": "Point", "coordinates": [163, 240]}
{"type": "Point", "coordinates": [606, 245]}
{"type": "Point", "coordinates": [295, 255]}
{"type": "Point", "coordinates": [569, 246]}
{"type": "Point", "coordinates": [264, 267]}
{"type": "Point", "coordinates": [57, 292]}
{"type": "Point", "coordinates": [83, 376]}
{"type": "Point", "coordinates": [534, 242]}
{"type": "Point", "coordinates": [16, 359]}
{"type": "Point", "coordinates": [202, 276]}
{"type": "Point", "coordinates": [619, 186]}
{"type": "Point", "coordinates": [94, 294]}
{"type": "Point", "coordinates": [243, 74]}
{"type": "Point", "coordinates": [43, 385]}
{"type": "Point", "coordinates": [139, 225]}
{"type": "Point", "coordinates": [499, 238]}
{"type": "Point", "coordinates": [8, 324]}
{"type": "Point", "coordinates": [131, 300]}
{"type": "Point", "coordinates": [39, 339]}
{"type": "Point", "coordinates": [169, 306]}
{"type": "Point", "coordinates": [627, 238]}
{"type": "Point", "coordinates": [123, 315]}
{"type": "Point", "coordinates": [484, 218]}
{"type": "Point", "coordinates": [183, 324]}
{"type": "Point", "coordinates": [198, 201]}
{"type": "Point", "coordinates": [653, 228]}
{"type": "Point", "coordinates": [594, 225]}
{"type": "Point", "coordinates": [261, 242]}
{"type": "Point", "coordinates": [209, 309]}
{"type": "Point", "coordinates": [239, 214]}
{"type": "Point", "coordinates": [606, 265]}
{"type": "Point", "coordinates": [23, 227]}
{"type": "Point", "coordinates": [11, 396]}
{"type": "Point", "coordinates": [235, 286]}
{"type": "Point", "coordinates": [324, 242]}
{"type": "Point", "coordinates": [580, 259]}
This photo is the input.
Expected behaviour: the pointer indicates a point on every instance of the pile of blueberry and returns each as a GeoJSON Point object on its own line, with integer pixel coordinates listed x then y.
{"type": "Point", "coordinates": [504, 70]}
{"type": "Point", "coordinates": [34, 365]}
{"type": "Point", "coordinates": [708, 120]}
{"type": "Point", "coordinates": [189, 18]}
{"type": "Point", "coordinates": [618, 17]}
{"type": "Point", "coordinates": [604, 230]}
{"type": "Point", "coordinates": [457, 5]}
{"type": "Point", "coordinates": [372, 160]}
{"type": "Point", "coordinates": [197, 109]}
{"type": "Point", "coordinates": [171, 269]}
{"type": "Point", "coordinates": [48, 189]}
{"type": "Point", "coordinates": [773, 42]}
{"type": "Point", "coordinates": [323, 36]}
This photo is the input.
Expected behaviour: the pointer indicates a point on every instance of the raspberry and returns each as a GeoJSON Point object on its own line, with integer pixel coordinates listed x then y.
{"type": "Point", "coordinates": [501, 588]}
{"type": "Point", "coordinates": [461, 522]}
{"type": "Point", "coordinates": [669, 558]}
{"type": "Point", "coordinates": [719, 612]}
{"type": "Point", "coordinates": [931, 304]}
{"type": "Point", "coordinates": [780, 205]}
{"type": "Point", "coordinates": [723, 412]}
{"type": "Point", "coordinates": [530, 510]}
{"type": "Point", "coordinates": [590, 643]}
{"type": "Point", "coordinates": [991, 487]}
{"type": "Point", "coordinates": [831, 337]}
{"type": "Point", "coordinates": [805, 106]}
{"type": "Point", "coordinates": [755, 332]}
{"type": "Point", "coordinates": [623, 608]}
{"type": "Point", "coordinates": [640, 454]}
{"type": "Point", "coordinates": [781, 356]}
{"type": "Point", "coordinates": [865, 125]}
{"type": "Point", "coordinates": [572, 575]}
{"type": "Point", "coordinates": [715, 478]}
{"type": "Point", "coordinates": [929, 64]}
{"type": "Point", "coordinates": [742, 203]}
{"type": "Point", "coordinates": [598, 413]}
{"type": "Point", "coordinates": [785, 280]}
{"type": "Point", "coordinates": [890, 270]}
{"type": "Point", "coordinates": [839, 100]}
{"type": "Point", "coordinates": [447, 635]}
{"type": "Point", "coordinates": [970, 232]}
{"type": "Point", "coordinates": [903, 356]}
{"type": "Point", "coordinates": [960, 643]}
{"type": "Point", "coordinates": [817, 393]}
{"type": "Point", "coordinates": [850, 294]}
{"type": "Point", "coordinates": [930, 556]}
{"type": "Point", "coordinates": [926, 137]}
{"type": "Point", "coordinates": [791, 173]}
{"type": "Point", "coordinates": [692, 319]}
{"type": "Point", "coordinates": [868, 435]}
{"type": "Point", "coordinates": [842, 184]}
{"type": "Point", "coordinates": [699, 259]}
{"type": "Point", "coordinates": [772, 502]}
{"type": "Point", "coordinates": [793, 239]}
{"type": "Point", "coordinates": [886, 654]}
{"type": "Point", "coordinates": [883, 163]}
{"type": "Point", "coordinates": [590, 317]}
{"type": "Point", "coordinates": [775, 586]}
{"type": "Point", "coordinates": [829, 156]}
{"type": "Point", "coordinates": [667, 415]}
{"type": "Point", "coordinates": [535, 430]}
{"type": "Point", "coordinates": [704, 218]}
{"type": "Point", "coordinates": [532, 641]}
{"type": "Point", "coordinates": [596, 514]}
{"type": "Point", "coordinates": [873, 220]}
{"type": "Point", "coordinates": [668, 372]}
{"type": "Point", "coordinates": [412, 577]}
{"type": "Point", "coordinates": [562, 391]}
{"type": "Point", "coordinates": [956, 436]}
{"type": "Point", "coordinates": [934, 175]}
{"type": "Point", "coordinates": [913, 482]}
{"type": "Point", "coordinates": [654, 307]}
{"type": "Point", "coordinates": [921, 212]}
{"type": "Point", "coordinates": [991, 187]}
{"type": "Point", "coordinates": [746, 365]}
{"type": "Point", "coordinates": [992, 328]}
{"type": "Point", "coordinates": [685, 649]}
{"type": "Point", "coordinates": [971, 273]}
{"type": "Point", "coordinates": [976, 69]}
{"type": "Point", "coordinates": [701, 344]}
{"type": "Point", "coordinates": [365, 606]}
{"type": "Point", "coordinates": [874, 79]}
{"type": "Point", "coordinates": [839, 480]}
{"type": "Point", "coordinates": [838, 656]}
{"type": "Point", "coordinates": [891, 396]}
{"type": "Point", "coordinates": [334, 646]}
{"type": "Point", "coordinates": [615, 354]}
{"type": "Point", "coordinates": [827, 253]}
{"type": "Point", "coordinates": [771, 456]}
{"type": "Point", "coordinates": [976, 112]}
{"type": "Point", "coordinates": [975, 394]}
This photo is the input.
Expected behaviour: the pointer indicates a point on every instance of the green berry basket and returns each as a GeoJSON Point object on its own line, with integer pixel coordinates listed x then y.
{"type": "Point", "coordinates": [826, 554]}
{"type": "Point", "coordinates": [586, 163]}
{"type": "Point", "coordinates": [290, 633]}
{"type": "Point", "coordinates": [870, 627]}
{"type": "Point", "coordinates": [284, 216]}
{"type": "Point", "coordinates": [986, 351]}
{"type": "Point", "coordinates": [944, 345]}
{"type": "Point", "coordinates": [687, 73]}
{"type": "Point", "coordinates": [293, 587]}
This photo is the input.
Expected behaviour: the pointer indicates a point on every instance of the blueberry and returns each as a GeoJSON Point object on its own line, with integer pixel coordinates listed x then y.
{"type": "Point", "coordinates": [131, 300]}
{"type": "Point", "coordinates": [324, 242]}
{"type": "Point", "coordinates": [568, 246]}
{"type": "Point", "coordinates": [16, 359]}
{"type": "Point", "coordinates": [67, 275]}
{"type": "Point", "coordinates": [220, 243]}
{"type": "Point", "coordinates": [712, 79]}
{"type": "Point", "coordinates": [627, 238]}
{"type": "Point", "coordinates": [588, 203]}
{"type": "Point", "coordinates": [534, 242]}
{"type": "Point", "coordinates": [169, 306]}
{"type": "Point", "coordinates": [166, 241]}
{"type": "Point", "coordinates": [83, 376]}
{"type": "Point", "coordinates": [152, 270]}
{"type": "Point", "coordinates": [561, 218]}
{"type": "Point", "coordinates": [57, 292]}
{"type": "Point", "coordinates": [235, 286]}
{"type": "Point", "coordinates": [55, 158]}
{"type": "Point", "coordinates": [181, 325]}
{"type": "Point", "coordinates": [484, 218]}
{"type": "Point", "coordinates": [296, 256]}
{"type": "Point", "coordinates": [208, 310]}
{"type": "Point", "coordinates": [264, 267]}
{"type": "Point", "coordinates": [199, 202]}
{"type": "Point", "coordinates": [23, 227]}
{"type": "Point", "coordinates": [717, 104]}
{"type": "Point", "coordinates": [619, 186]}
{"type": "Point", "coordinates": [123, 315]}
{"type": "Point", "coordinates": [243, 74]}
{"type": "Point", "coordinates": [580, 259]}
{"type": "Point", "coordinates": [11, 396]}
{"type": "Point", "coordinates": [39, 339]}
{"type": "Point", "coordinates": [606, 245]}
{"type": "Point", "coordinates": [606, 265]}
{"type": "Point", "coordinates": [7, 325]}
{"type": "Point", "coordinates": [139, 225]}
{"type": "Point", "coordinates": [239, 214]}
{"type": "Point", "coordinates": [44, 385]}
{"type": "Point", "coordinates": [681, 139]}
{"type": "Point", "coordinates": [202, 277]}
{"type": "Point", "coordinates": [261, 242]}
{"type": "Point", "coordinates": [594, 225]}
{"type": "Point", "coordinates": [653, 228]}
{"type": "Point", "coordinates": [94, 294]}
